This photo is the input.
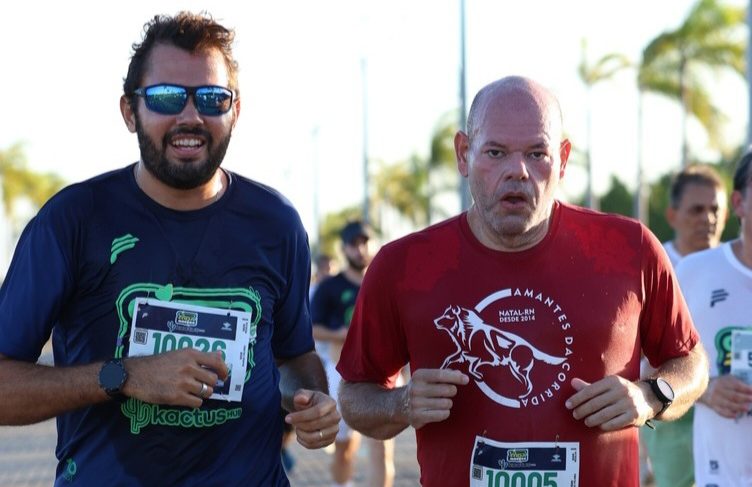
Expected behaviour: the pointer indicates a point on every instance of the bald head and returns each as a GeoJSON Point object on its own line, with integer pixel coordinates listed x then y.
{"type": "Point", "coordinates": [514, 156]}
{"type": "Point", "coordinates": [514, 92]}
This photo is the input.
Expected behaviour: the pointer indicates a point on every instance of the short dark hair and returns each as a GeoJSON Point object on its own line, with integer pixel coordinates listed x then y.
{"type": "Point", "coordinates": [694, 174]}
{"type": "Point", "coordinates": [742, 174]}
{"type": "Point", "coordinates": [186, 30]}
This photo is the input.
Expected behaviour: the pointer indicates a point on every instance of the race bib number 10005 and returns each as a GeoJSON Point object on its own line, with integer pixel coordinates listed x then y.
{"type": "Point", "coordinates": [538, 464]}
{"type": "Point", "coordinates": [160, 326]}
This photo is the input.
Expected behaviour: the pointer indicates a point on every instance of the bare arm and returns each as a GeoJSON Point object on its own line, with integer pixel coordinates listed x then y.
{"type": "Point", "coordinates": [305, 394]}
{"type": "Point", "coordinates": [326, 334]}
{"type": "Point", "coordinates": [30, 393]}
{"type": "Point", "coordinates": [688, 377]}
{"type": "Point", "coordinates": [383, 413]}
{"type": "Point", "coordinates": [614, 402]}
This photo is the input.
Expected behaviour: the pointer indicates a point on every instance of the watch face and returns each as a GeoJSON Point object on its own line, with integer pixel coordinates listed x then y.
{"type": "Point", "coordinates": [112, 376]}
{"type": "Point", "coordinates": [665, 389]}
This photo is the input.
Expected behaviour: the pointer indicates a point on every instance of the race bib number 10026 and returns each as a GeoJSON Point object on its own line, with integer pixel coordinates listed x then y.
{"type": "Point", "coordinates": [160, 326]}
{"type": "Point", "coordinates": [535, 464]}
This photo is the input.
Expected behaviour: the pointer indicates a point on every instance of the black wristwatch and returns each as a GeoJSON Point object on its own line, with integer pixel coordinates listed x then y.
{"type": "Point", "coordinates": [112, 377]}
{"type": "Point", "coordinates": [662, 391]}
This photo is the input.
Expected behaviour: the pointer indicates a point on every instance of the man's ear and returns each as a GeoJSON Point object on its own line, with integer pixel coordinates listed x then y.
{"type": "Point", "coordinates": [236, 112]}
{"type": "Point", "coordinates": [671, 216]}
{"type": "Point", "coordinates": [461, 147]}
{"type": "Point", "coordinates": [737, 203]}
{"type": "Point", "coordinates": [564, 149]}
{"type": "Point", "coordinates": [129, 115]}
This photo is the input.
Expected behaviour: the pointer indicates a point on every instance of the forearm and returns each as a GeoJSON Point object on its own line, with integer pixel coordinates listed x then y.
{"type": "Point", "coordinates": [302, 372]}
{"type": "Point", "coordinates": [705, 397]}
{"type": "Point", "coordinates": [688, 377]}
{"type": "Point", "coordinates": [30, 393]}
{"type": "Point", "coordinates": [374, 410]}
{"type": "Point", "coordinates": [324, 334]}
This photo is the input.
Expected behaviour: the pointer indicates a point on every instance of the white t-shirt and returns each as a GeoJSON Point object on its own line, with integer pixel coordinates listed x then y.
{"type": "Point", "coordinates": [718, 290]}
{"type": "Point", "coordinates": [673, 254]}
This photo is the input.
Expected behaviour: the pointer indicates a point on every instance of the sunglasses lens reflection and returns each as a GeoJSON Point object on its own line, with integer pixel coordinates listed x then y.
{"type": "Point", "coordinates": [171, 99]}
{"type": "Point", "coordinates": [213, 100]}
{"type": "Point", "coordinates": [168, 100]}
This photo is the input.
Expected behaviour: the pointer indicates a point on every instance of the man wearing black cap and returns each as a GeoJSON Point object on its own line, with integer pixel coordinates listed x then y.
{"type": "Point", "coordinates": [331, 309]}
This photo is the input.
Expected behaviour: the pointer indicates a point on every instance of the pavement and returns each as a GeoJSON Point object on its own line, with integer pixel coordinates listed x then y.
{"type": "Point", "coordinates": [27, 459]}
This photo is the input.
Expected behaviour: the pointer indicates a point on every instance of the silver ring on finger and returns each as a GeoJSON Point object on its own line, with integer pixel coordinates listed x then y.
{"type": "Point", "coordinates": [202, 392]}
{"type": "Point", "coordinates": [321, 435]}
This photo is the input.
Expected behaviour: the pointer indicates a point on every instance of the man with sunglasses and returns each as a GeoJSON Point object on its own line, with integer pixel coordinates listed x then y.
{"type": "Point", "coordinates": [175, 293]}
{"type": "Point", "coordinates": [522, 320]}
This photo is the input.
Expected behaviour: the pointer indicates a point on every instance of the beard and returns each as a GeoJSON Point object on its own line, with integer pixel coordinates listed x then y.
{"type": "Point", "coordinates": [357, 264]}
{"type": "Point", "coordinates": [181, 175]}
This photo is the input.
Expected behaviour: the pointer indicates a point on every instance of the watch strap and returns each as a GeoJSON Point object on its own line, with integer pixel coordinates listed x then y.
{"type": "Point", "coordinates": [665, 401]}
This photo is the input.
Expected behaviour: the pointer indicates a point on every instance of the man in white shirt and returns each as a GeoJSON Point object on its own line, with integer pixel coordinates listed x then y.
{"type": "Point", "coordinates": [697, 212]}
{"type": "Point", "coordinates": [717, 284]}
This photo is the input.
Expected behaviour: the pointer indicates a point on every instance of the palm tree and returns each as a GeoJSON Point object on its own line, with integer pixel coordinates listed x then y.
{"type": "Point", "coordinates": [709, 40]}
{"type": "Point", "coordinates": [19, 182]}
{"type": "Point", "coordinates": [674, 65]}
{"type": "Point", "coordinates": [590, 74]}
{"type": "Point", "coordinates": [411, 186]}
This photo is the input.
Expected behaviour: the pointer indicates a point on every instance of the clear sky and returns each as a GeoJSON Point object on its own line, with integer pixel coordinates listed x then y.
{"type": "Point", "coordinates": [302, 85]}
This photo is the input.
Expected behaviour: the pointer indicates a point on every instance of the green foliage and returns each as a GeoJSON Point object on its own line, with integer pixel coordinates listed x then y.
{"type": "Point", "coordinates": [604, 68]}
{"type": "Point", "coordinates": [657, 204]}
{"type": "Point", "coordinates": [618, 199]}
{"type": "Point", "coordinates": [676, 63]}
{"type": "Point", "coordinates": [442, 143]}
{"type": "Point", "coordinates": [403, 186]}
{"type": "Point", "coordinates": [410, 186]}
{"type": "Point", "coordinates": [726, 168]}
{"type": "Point", "coordinates": [18, 181]}
{"type": "Point", "coordinates": [331, 226]}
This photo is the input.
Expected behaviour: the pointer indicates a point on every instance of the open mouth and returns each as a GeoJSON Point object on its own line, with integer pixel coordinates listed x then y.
{"type": "Point", "coordinates": [187, 146]}
{"type": "Point", "coordinates": [188, 143]}
{"type": "Point", "coordinates": [514, 200]}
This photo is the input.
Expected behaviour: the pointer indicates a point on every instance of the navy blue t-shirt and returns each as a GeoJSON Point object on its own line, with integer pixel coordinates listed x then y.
{"type": "Point", "coordinates": [97, 246]}
{"type": "Point", "coordinates": [333, 302]}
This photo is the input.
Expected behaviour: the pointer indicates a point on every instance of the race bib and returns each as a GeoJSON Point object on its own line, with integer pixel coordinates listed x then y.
{"type": "Point", "coordinates": [535, 464]}
{"type": "Point", "coordinates": [741, 354]}
{"type": "Point", "coordinates": [160, 326]}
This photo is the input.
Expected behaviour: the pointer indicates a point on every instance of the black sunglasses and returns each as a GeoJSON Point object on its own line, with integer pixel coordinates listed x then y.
{"type": "Point", "coordinates": [171, 99]}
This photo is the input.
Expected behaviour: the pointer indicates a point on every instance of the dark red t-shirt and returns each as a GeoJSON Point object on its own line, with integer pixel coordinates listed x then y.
{"type": "Point", "coordinates": [582, 303]}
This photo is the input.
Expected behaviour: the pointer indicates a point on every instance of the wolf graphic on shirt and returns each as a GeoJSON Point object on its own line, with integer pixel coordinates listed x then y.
{"type": "Point", "coordinates": [479, 343]}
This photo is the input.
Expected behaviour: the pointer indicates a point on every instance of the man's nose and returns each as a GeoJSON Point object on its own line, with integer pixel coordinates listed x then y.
{"type": "Point", "coordinates": [709, 216]}
{"type": "Point", "coordinates": [189, 115]}
{"type": "Point", "coordinates": [515, 166]}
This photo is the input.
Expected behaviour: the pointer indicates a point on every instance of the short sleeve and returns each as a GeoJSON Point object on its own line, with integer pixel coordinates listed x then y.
{"type": "Point", "coordinates": [667, 330]}
{"type": "Point", "coordinates": [375, 348]}
{"type": "Point", "coordinates": [319, 303]}
{"type": "Point", "coordinates": [292, 318]}
{"type": "Point", "coordinates": [38, 282]}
